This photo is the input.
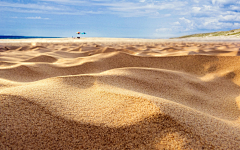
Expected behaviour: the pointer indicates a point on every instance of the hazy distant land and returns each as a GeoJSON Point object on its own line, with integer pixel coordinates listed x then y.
{"type": "Point", "coordinates": [230, 34]}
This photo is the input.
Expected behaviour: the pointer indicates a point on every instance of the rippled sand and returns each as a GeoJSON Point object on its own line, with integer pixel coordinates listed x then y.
{"type": "Point", "coordinates": [101, 93]}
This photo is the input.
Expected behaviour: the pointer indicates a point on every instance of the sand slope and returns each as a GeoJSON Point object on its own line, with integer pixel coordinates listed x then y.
{"type": "Point", "coordinates": [120, 95]}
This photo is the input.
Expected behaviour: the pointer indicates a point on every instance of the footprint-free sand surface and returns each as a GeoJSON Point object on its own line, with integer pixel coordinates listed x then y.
{"type": "Point", "coordinates": [101, 93]}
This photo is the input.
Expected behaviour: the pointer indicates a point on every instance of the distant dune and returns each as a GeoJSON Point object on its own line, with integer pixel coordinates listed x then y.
{"type": "Point", "coordinates": [232, 33]}
{"type": "Point", "coordinates": [114, 94]}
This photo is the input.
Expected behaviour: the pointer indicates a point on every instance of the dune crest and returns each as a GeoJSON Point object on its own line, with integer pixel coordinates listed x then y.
{"type": "Point", "coordinates": [42, 58]}
{"type": "Point", "coordinates": [119, 94]}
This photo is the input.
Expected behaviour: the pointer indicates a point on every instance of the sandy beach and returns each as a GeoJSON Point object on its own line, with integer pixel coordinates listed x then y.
{"type": "Point", "coordinates": [112, 93]}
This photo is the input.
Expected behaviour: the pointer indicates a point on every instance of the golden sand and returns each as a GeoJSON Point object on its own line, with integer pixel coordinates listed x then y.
{"type": "Point", "coordinates": [119, 94]}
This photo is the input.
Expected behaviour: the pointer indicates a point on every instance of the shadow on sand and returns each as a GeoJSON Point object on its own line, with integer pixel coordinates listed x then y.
{"type": "Point", "coordinates": [26, 125]}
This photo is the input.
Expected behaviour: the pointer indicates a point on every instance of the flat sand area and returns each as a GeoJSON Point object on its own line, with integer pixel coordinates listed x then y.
{"type": "Point", "coordinates": [103, 93]}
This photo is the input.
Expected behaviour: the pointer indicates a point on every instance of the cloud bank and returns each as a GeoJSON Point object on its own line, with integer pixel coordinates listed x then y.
{"type": "Point", "coordinates": [178, 15]}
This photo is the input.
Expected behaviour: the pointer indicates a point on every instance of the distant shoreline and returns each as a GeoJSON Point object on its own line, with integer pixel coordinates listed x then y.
{"type": "Point", "coordinates": [23, 37]}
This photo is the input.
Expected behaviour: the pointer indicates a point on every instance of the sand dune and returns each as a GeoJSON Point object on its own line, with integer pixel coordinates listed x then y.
{"type": "Point", "coordinates": [119, 94]}
{"type": "Point", "coordinates": [42, 58]}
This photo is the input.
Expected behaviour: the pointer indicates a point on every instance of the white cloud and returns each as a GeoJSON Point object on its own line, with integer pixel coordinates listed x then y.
{"type": "Point", "coordinates": [176, 23]}
{"type": "Point", "coordinates": [44, 8]}
{"type": "Point", "coordinates": [216, 15]}
{"type": "Point", "coordinates": [196, 1]}
{"type": "Point", "coordinates": [136, 9]}
{"type": "Point", "coordinates": [229, 18]}
{"type": "Point", "coordinates": [163, 30]}
{"type": "Point", "coordinates": [224, 2]}
{"type": "Point", "coordinates": [185, 20]}
{"type": "Point", "coordinates": [65, 1]}
{"type": "Point", "coordinates": [236, 25]}
{"type": "Point", "coordinates": [196, 9]}
{"type": "Point", "coordinates": [189, 15]}
{"type": "Point", "coordinates": [30, 18]}
{"type": "Point", "coordinates": [36, 18]}
{"type": "Point", "coordinates": [29, 6]}
{"type": "Point", "coordinates": [234, 7]}
{"type": "Point", "coordinates": [167, 15]}
{"type": "Point", "coordinates": [208, 7]}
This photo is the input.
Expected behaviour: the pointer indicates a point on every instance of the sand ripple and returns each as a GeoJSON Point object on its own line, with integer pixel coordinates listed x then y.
{"type": "Point", "coordinates": [120, 95]}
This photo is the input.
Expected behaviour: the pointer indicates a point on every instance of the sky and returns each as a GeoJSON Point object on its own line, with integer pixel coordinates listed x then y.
{"type": "Point", "coordinates": [117, 18]}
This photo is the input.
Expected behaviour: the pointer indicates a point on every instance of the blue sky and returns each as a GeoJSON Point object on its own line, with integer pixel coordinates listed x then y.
{"type": "Point", "coordinates": [117, 18]}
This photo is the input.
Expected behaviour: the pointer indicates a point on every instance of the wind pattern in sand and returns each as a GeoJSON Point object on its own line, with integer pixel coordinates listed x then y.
{"type": "Point", "coordinates": [120, 95]}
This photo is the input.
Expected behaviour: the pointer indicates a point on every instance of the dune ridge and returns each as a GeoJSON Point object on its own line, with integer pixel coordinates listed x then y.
{"type": "Point", "coordinates": [119, 95]}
